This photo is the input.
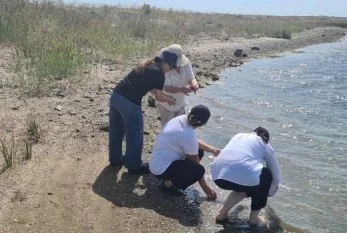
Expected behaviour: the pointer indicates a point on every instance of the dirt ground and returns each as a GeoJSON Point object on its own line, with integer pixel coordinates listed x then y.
{"type": "Point", "coordinates": [68, 186]}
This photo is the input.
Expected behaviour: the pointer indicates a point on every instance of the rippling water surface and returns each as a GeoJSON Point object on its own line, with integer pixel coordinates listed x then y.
{"type": "Point", "coordinates": [302, 100]}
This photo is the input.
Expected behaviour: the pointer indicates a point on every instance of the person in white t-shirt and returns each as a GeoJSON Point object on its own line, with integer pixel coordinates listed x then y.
{"type": "Point", "coordinates": [247, 165]}
{"type": "Point", "coordinates": [175, 158]}
{"type": "Point", "coordinates": [179, 82]}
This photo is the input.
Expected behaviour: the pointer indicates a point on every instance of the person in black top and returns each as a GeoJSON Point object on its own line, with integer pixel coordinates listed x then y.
{"type": "Point", "coordinates": [125, 116]}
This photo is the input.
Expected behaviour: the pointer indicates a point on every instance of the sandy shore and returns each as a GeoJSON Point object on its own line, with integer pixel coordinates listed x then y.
{"type": "Point", "coordinates": [67, 186]}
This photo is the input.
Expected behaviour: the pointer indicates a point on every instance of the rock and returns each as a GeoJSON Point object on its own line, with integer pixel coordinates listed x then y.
{"type": "Point", "coordinates": [77, 131]}
{"type": "Point", "coordinates": [15, 108]}
{"type": "Point", "coordinates": [91, 99]}
{"type": "Point", "coordinates": [245, 55]}
{"type": "Point", "coordinates": [207, 84]}
{"type": "Point", "coordinates": [87, 96]}
{"type": "Point", "coordinates": [111, 69]}
{"type": "Point", "coordinates": [344, 34]}
{"type": "Point", "coordinates": [159, 118]}
{"type": "Point", "coordinates": [201, 86]}
{"type": "Point", "coordinates": [255, 48]}
{"type": "Point", "coordinates": [234, 64]}
{"type": "Point", "coordinates": [105, 127]}
{"type": "Point", "coordinates": [146, 132]}
{"type": "Point", "coordinates": [58, 108]}
{"type": "Point", "coordinates": [50, 193]}
{"type": "Point", "coordinates": [86, 72]}
{"type": "Point", "coordinates": [215, 78]}
{"type": "Point", "coordinates": [238, 53]}
{"type": "Point", "coordinates": [72, 113]}
{"type": "Point", "coordinates": [151, 102]}
{"type": "Point", "coordinates": [207, 74]}
{"type": "Point", "coordinates": [199, 73]}
{"type": "Point", "coordinates": [323, 35]}
{"type": "Point", "coordinates": [195, 65]}
{"type": "Point", "coordinates": [61, 94]}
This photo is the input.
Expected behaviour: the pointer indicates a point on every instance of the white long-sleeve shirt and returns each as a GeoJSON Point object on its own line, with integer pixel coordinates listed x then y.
{"type": "Point", "coordinates": [242, 160]}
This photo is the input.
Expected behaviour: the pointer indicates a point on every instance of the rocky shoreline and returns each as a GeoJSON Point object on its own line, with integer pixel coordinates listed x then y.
{"type": "Point", "coordinates": [209, 57]}
{"type": "Point", "coordinates": [68, 178]}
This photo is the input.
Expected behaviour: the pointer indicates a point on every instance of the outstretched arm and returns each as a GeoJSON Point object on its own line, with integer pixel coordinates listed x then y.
{"type": "Point", "coordinates": [208, 148]}
{"type": "Point", "coordinates": [161, 97]}
{"type": "Point", "coordinates": [211, 194]}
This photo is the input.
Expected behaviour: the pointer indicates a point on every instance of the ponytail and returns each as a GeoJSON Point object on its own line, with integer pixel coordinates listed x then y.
{"type": "Point", "coordinates": [140, 68]}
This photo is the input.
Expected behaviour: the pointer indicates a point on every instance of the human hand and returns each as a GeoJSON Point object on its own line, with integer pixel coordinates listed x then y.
{"type": "Point", "coordinates": [211, 194]}
{"type": "Point", "coordinates": [216, 152]}
{"type": "Point", "coordinates": [186, 90]}
{"type": "Point", "coordinates": [194, 87]}
{"type": "Point", "coordinates": [171, 101]}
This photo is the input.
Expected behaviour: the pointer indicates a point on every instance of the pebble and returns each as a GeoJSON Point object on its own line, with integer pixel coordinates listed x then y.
{"type": "Point", "coordinates": [58, 108]}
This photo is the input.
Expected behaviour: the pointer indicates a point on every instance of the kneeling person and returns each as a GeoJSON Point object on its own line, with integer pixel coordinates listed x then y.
{"type": "Point", "coordinates": [176, 158]}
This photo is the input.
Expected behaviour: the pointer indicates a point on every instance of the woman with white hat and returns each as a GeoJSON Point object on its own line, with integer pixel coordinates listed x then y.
{"type": "Point", "coordinates": [179, 82]}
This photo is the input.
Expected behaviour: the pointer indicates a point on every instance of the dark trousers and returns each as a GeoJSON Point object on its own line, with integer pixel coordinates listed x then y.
{"type": "Point", "coordinates": [258, 193]}
{"type": "Point", "coordinates": [183, 173]}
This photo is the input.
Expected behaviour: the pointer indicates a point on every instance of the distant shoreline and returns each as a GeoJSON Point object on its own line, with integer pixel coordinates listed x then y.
{"type": "Point", "coordinates": [210, 56]}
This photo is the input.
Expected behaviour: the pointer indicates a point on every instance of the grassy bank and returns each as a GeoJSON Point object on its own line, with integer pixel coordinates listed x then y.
{"type": "Point", "coordinates": [53, 40]}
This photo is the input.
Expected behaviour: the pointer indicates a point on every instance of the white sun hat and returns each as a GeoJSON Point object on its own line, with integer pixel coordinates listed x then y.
{"type": "Point", "coordinates": [177, 49]}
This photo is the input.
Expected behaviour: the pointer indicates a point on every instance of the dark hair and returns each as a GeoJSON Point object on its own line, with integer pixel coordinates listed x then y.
{"type": "Point", "coordinates": [193, 121]}
{"type": "Point", "coordinates": [140, 68]}
{"type": "Point", "coordinates": [263, 133]}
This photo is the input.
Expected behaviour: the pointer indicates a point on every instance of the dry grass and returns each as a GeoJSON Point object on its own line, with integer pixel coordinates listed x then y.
{"type": "Point", "coordinates": [33, 130]}
{"type": "Point", "coordinates": [54, 41]}
{"type": "Point", "coordinates": [8, 149]}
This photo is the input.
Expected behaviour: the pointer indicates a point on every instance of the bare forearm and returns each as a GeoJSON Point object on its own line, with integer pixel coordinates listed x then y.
{"type": "Point", "coordinates": [206, 147]}
{"type": "Point", "coordinates": [203, 184]}
{"type": "Point", "coordinates": [170, 89]}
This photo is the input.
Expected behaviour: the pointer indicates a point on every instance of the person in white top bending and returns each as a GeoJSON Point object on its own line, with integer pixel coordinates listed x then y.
{"type": "Point", "coordinates": [247, 165]}
{"type": "Point", "coordinates": [175, 158]}
{"type": "Point", "coordinates": [179, 82]}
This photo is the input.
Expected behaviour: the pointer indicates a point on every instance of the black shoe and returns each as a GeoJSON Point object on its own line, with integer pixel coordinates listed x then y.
{"type": "Point", "coordinates": [119, 164]}
{"type": "Point", "coordinates": [171, 190]}
{"type": "Point", "coordinates": [143, 170]}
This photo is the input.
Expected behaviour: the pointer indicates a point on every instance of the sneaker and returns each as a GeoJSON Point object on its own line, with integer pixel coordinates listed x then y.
{"type": "Point", "coordinates": [171, 190]}
{"type": "Point", "coordinates": [119, 164]}
{"type": "Point", "coordinates": [143, 170]}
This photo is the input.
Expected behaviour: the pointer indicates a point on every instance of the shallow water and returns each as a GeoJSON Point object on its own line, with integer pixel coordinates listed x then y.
{"type": "Point", "coordinates": [302, 100]}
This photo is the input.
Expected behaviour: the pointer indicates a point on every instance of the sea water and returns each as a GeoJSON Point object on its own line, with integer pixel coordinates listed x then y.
{"type": "Point", "coordinates": [301, 98]}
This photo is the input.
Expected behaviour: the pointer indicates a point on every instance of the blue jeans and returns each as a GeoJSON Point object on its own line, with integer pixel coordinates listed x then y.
{"type": "Point", "coordinates": [125, 118]}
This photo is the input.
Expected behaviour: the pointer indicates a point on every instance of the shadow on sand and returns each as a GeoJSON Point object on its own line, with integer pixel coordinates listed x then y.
{"type": "Point", "coordinates": [133, 191]}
